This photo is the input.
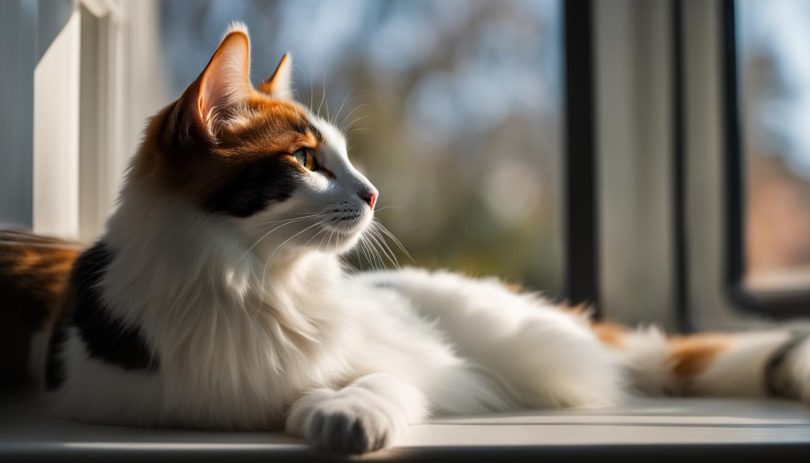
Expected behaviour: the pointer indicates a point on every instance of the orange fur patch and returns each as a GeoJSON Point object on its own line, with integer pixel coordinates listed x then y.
{"type": "Point", "coordinates": [34, 272]}
{"type": "Point", "coordinates": [516, 288]}
{"type": "Point", "coordinates": [610, 334]}
{"type": "Point", "coordinates": [691, 355]}
{"type": "Point", "coordinates": [221, 126]}
{"type": "Point", "coordinates": [273, 129]}
{"type": "Point", "coordinates": [225, 145]}
{"type": "Point", "coordinates": [583, 311]}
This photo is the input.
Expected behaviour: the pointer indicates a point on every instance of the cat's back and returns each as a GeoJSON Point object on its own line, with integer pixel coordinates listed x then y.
{"type": "Point", "coordinates": [34, 273]}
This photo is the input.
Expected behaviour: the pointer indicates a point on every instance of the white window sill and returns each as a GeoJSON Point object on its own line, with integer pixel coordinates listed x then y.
{"type": "Point", "coordinates": [662, 429]}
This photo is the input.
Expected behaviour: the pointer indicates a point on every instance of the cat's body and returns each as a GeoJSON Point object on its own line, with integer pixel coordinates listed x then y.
{"type": "Point", "coordinates": [228, 351]}
{"type": "Point", "coordinates": [216, 299]}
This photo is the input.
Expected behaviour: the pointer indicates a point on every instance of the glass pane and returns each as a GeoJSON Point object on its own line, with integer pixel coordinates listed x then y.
{"type": "Point", "coordinates": [453, 110]}
{"type": "Point", "coordinates": [774, 61]}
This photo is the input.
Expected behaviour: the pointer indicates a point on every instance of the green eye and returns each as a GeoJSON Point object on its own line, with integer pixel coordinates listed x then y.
{"type": "Point", "coordinates": [304, 157]}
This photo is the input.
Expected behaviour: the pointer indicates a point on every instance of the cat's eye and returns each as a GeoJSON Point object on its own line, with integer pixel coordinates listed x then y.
{"type": "Point", "coordinates": [305, 157]}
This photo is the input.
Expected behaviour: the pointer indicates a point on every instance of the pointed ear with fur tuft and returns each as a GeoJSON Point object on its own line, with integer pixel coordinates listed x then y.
{"type": "Point", "coordinates": [218, 94]}
{"type": "Point", "coordinates": [279, 85]}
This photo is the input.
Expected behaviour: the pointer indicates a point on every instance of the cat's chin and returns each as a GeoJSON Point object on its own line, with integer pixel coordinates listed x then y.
{"type": "Point", "coordinates": [341, 241]}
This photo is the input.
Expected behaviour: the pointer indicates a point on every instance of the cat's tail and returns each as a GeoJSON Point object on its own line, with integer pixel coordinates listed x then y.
{"type": "Point", "coordinates": [34, 271]}
{"type": "Point", "coordinates": [753, 364]}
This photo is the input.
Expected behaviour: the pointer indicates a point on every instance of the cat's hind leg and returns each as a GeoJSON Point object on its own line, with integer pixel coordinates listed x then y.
{"type": "Point", "coordinates": [547, 357]}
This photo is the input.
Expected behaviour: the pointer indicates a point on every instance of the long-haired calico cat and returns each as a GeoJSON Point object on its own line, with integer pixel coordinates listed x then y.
{"type": "Point", "coordinates": [216, 298]}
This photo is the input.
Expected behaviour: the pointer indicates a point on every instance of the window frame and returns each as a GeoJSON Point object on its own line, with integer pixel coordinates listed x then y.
{"type": "Point", "coordinates": [581, 226]}
{"type": "Point", "coordinates": [101, 106]}
{"type": "Point", "coordinates": [776, 304]}
{"type": "Point", "coordinates": [77, 153]}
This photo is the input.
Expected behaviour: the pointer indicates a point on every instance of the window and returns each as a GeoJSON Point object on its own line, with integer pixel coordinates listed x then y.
{"type": "Point", "coordinates": [101, 116]}
{"type": "Point", "coordinates": [453, 110]}
{"type": "Point", "coordinates": [79, 109]}
{"type": "Point", "coordinates": [769, 155]}
{"type": "Point", "coordinates": [458, 111]}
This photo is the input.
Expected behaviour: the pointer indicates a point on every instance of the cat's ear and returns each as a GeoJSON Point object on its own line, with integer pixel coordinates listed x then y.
{"type": "Point", "coordinates": [279, 85]}
{"type": "Point", "coordinates": [218, 94]}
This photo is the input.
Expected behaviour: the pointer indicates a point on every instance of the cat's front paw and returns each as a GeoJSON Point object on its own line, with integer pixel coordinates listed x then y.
{"type": "Point", "coordinates": [348, 426]}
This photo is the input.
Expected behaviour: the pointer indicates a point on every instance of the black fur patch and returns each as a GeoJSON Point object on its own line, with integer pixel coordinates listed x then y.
{"type": "Point", "coordinates": [254, 187]}
{"type": "Point", "coordinates": [54, 370]}
{"type": "Point", "coordinates": [105, 338]}
{"type": "Point", "coordinates": [778, 382]}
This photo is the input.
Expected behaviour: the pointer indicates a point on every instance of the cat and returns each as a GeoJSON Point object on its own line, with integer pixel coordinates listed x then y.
{"type": "Point", "coordinates": [216, 298]}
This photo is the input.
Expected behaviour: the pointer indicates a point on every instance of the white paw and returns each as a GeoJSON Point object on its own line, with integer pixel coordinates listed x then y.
{"type": "Point", "coordinates": [347, 425]}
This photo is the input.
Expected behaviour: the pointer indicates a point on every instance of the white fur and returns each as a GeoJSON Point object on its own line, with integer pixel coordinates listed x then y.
{"type": "Point", "coordinates": [799, 371]}
{"type": "Point", "coordinates": [738, 370]}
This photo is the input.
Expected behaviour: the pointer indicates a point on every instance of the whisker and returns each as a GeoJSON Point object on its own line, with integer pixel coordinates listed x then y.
{"type": "Point", "coordinates": [326, 98]}
{"type": "Point", "coordinates": [340, 108]}
{"type": "Point", "coordinates": [352, 124]}
{"type": "Point", "coordinates": [386, 251]}
{"type": "Point", "coordinates": [359, 251]}
{"type": "Point", "coordinates": [314, 236]}
{"type": "Point", "coordinates": [270, 258]}
{"type": "Point", "coordinates": [362, 252]}
{"type": "Point", "coordinates": [386, 208]}
{"type": "Point", "coordinates": [372, 262]}
{"type": "Point", "coordinates": [284, 223]}
{"type": "Point", "coordinates": [393, 238]}
{"type": "Point", "coordinates": [347, 121]}
{"type": "Point", "coordinates": [256, 243]}
{"type": "Point", "coordinates": [311, 78]}
{"type": "Point", "coordinates": [323, 95]}
{"type": "Point", "coordinates": [293, 236]}
{"type": "Point", "coordinates": [385, 243]}
{"type": "Point", "coordinates": [375, 252]}
{"type": "Point", "coordinates": [304, 214]}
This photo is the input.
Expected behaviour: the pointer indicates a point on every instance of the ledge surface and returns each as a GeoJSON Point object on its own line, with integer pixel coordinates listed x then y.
{"type": "Point", "coordinates": [663, 429]}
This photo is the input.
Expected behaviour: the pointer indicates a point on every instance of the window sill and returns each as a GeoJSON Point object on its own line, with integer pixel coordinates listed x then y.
{"type": "Point", "coordinates": [662, 428]}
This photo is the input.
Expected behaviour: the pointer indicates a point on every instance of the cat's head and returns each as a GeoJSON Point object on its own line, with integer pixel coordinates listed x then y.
{"type": "Point", "coordinates": [256, 157]}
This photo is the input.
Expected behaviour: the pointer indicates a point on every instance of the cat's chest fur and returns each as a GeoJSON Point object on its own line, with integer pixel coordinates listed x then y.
{"type": "Point", "coordinates": [235, 341]}
{"type": "Point", "coordinates": [232, 342]}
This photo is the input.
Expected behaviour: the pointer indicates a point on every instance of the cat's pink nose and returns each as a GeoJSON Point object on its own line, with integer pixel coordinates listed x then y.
{"type": "Point", "coordinates": [369, 197]}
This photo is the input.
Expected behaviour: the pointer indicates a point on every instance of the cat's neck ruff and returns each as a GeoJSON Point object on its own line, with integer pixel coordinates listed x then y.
{"type": "Point", "coordinates": [168, 250]}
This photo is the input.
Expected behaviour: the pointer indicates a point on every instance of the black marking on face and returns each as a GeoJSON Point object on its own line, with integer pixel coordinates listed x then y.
{"type": "Point", "coordinates": [272, 179]}
{"type": "Point", "coordinates": [105, 337]}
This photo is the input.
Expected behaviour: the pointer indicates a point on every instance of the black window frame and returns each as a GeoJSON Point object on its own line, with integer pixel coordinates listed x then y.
{"type": "Point", "coordinates": [781, 304]}
{"type": "Point", "coordinates": [581, 261]}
